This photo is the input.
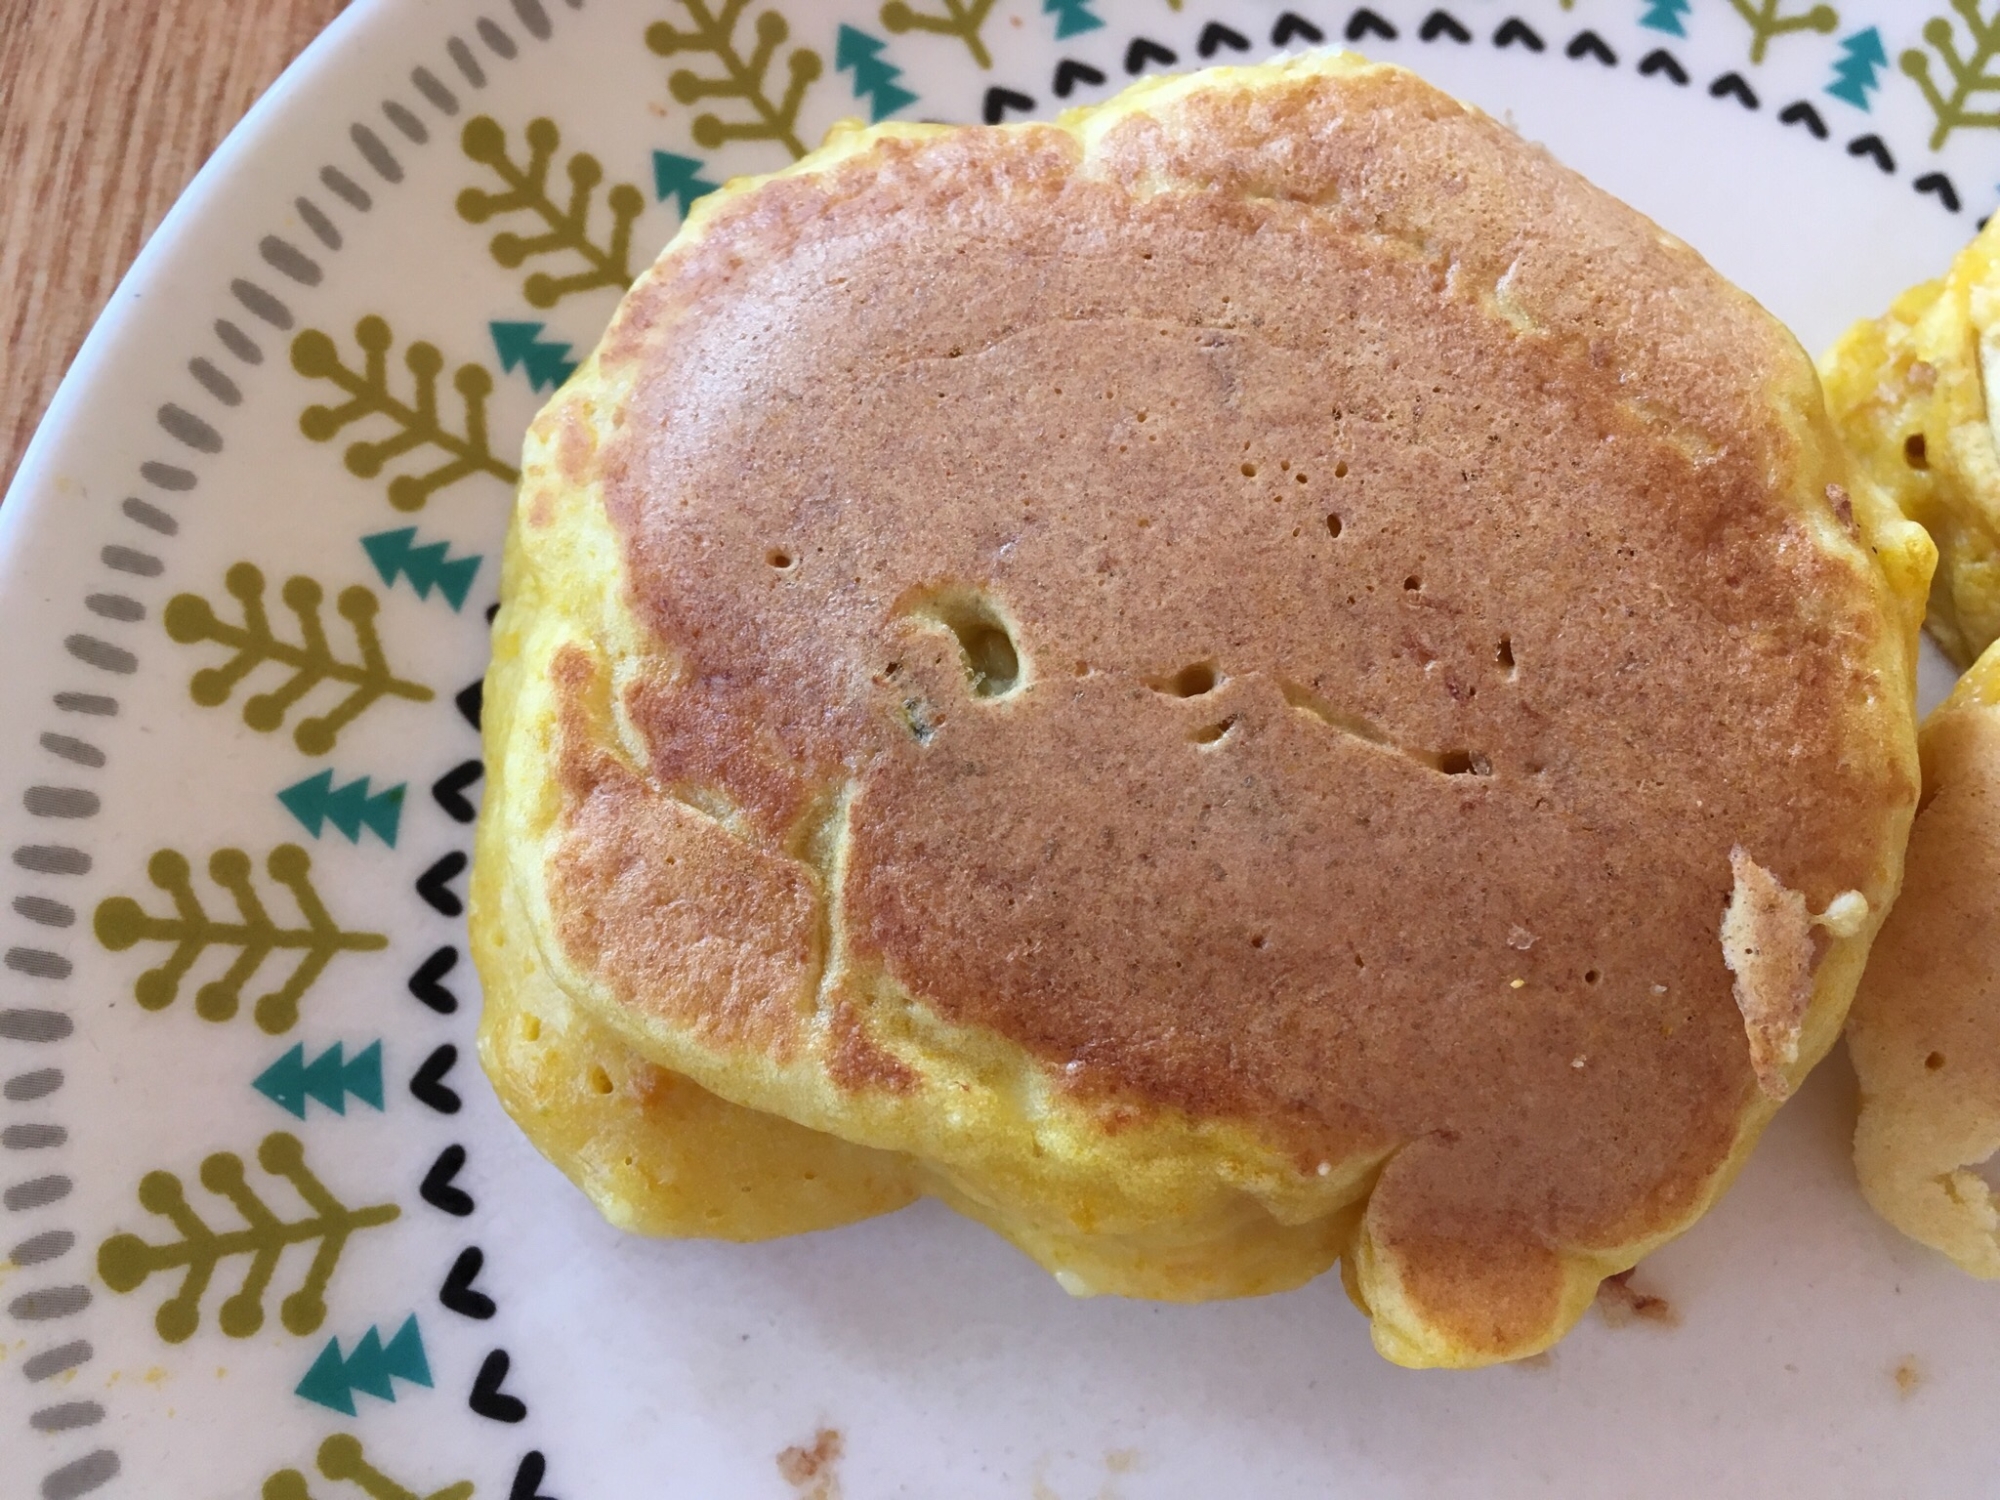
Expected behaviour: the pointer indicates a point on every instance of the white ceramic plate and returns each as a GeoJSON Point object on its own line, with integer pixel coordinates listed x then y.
{"type": "Point", "coordinates": [493, 1333]}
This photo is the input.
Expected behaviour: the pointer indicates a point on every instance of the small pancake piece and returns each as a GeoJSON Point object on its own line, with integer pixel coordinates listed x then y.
{"type": "Point", "coordinates": [1909, 392]}
{"type": "Point", "coordinates": [1257, 676]}
{"type": "Point", "coordinates": [1925, 1031]}
{"type": "Point", "coordinates": [1767, 942]}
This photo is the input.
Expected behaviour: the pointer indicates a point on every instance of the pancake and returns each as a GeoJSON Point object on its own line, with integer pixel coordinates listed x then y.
{"type": "Point", "coordinates": [1925, 1032]}
{"type": "Point", "coordinates": [1257, 676]}
{"type": "Point", "coordinates": [657, 1153]}
{"type": "Point", "coordinates": [1908, 390]}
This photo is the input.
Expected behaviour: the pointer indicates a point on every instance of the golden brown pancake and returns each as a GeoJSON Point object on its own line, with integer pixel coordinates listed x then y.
{"type": "Point", "coordinates": [1908, 391]}
{"type": "Point", "coordinates": [1925, 1033]}
{"type": "Point", "coordinates": [1256, 676]}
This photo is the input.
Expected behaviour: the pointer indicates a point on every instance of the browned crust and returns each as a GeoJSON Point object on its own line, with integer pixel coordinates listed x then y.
{"type": "Point", "coordinates": [1591, 620]}
{"type": "Point", "coordinates": [855, 1061]}
{"type": "Point", "coordinates": [700, 929]}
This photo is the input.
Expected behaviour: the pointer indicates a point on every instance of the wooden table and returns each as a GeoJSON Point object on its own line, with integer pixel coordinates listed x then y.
{"type": "Point", "coordinates": [107, 107]}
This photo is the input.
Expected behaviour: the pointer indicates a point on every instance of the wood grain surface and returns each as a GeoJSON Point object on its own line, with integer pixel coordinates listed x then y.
{"type": "Point", "coordinates": [107, 108]}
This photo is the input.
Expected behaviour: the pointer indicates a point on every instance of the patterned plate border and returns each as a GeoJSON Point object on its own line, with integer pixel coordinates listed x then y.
{"type": "Point", "coordinates": [53, 1308]}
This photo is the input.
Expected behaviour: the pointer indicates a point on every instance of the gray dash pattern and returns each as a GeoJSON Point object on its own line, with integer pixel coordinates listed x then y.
{"type": "Point", "coordinates": [407, 124]}
{"type": "Point", "coordinates": [534, 18]}
{"type": "Point", "coordinates": [442, 99]}
{"type": "Point", "coordinates": [496, 38]}
{"type": "Point", "coordinates": [262, 304]}
{"type": "Point", "coordinates": [346, 189]}
{"type": "Point", "coordinates": [467, 64]}
{"type": "Point", "coordinates": [51, 1244]}
{"type": "Point", "coordinates": [95, 704]}
{"type": "Point", "coordinates": [88, 1473]}
{"type": "Point", "coordinates": [38, 1192]}
{"type": "Point", "coordinates": [314, 219]}
{"type": "Point", "coordinates": [55, 1361]}
{"type": "Point", "coordinates": [35, 1025]}
{"type": "Point", "coordinates": [119, 607]}
{"type": "Point", "coordinates": [184, 426]}
{"type": "Point", "coordinates": [52, 859]}
{"type": "Point", "coordinates": [288, 260]}
{"type": "Point", "coordinates": [45, 913]}
{"type": "Point", "coordinates": [38, 963]}
{"type": "Point", "coordinates": [106, 657]}
{"type": "Point", "coordinates": [129, 560]}
{"type": "Point", "coordinates": [60, 802]}
{"type": "Point", "coordinates": [166, 476]}
{"type": "Point", "coordinates": [150, 516]}
{"type": "Point", "coordinates": [24, 1088]}
{"type": "Point", "coordinates": [66, 1416]}
{"type": "Point", "coordinates": [238, 343]}
{"type": "Point", "coordinates": [72, 749]}
{"type": "Point", "coordinates": [377, 155]}
{"type": "Point", "coordinates": [32, 1137]}
{"type": "Point", "coordinates": [45, 1304]}
{"type": "Point", "coordinates": [214, 381]}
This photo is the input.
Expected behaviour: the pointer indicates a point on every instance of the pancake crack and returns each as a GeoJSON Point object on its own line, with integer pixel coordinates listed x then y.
{"type": "Point", "coordinates": [1445, 762]}
{"type": "Point", "coordinates": [820, 842]}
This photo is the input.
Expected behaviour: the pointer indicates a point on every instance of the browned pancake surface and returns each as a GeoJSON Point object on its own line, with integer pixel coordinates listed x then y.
{"type": "Point", "coordinates": [1411, 609]}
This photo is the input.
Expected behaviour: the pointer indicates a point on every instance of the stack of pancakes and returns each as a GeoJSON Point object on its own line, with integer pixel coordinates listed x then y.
{"type": "Point", "coordinates": [1256, 677]}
